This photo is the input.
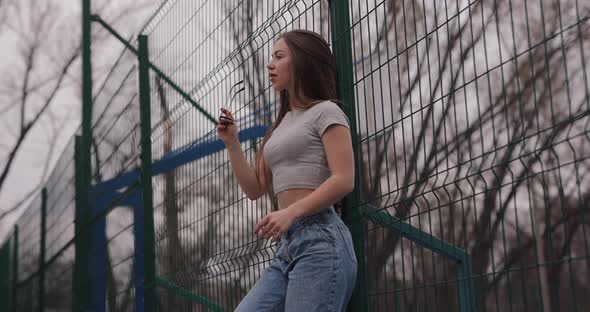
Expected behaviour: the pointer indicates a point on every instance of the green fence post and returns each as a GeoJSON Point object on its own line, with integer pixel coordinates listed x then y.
{"type": "Point", "coordinates": [86, 100]}
{"type": "Point", "coordinates": [81, 280]}
{"type": "Point", "coordinates": [15, 269]}
{"type": "Point", "coordinates": [342, 47]}
{"type": "Point", "coordinates": [5, 276]}
{"type": "Point", "coordinates": [84, 169]}
{"type": "Point", "coordinates": [465, 285]}
{"type": "Point", "coordinates": [77, 256]}
{"type": "Point", "coordinates": [146, 173]}
{"type": "Point", "coordinates": [42, 251]}
{"type": "Point", "coordinates": [86, 81]}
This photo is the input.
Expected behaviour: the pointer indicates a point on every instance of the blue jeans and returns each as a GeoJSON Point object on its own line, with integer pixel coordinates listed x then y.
{"type": "Point", "coordinates": [314, 269]}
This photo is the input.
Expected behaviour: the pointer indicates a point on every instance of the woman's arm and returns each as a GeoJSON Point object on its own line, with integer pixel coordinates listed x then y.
{"type": "Point", "coordinates": [245, 174]}
{"type": "Point", "coordinates": [337, 143]}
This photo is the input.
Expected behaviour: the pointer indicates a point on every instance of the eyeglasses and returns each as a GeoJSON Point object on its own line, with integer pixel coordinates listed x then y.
{"type": "Point", "coordinates": [233, 95]}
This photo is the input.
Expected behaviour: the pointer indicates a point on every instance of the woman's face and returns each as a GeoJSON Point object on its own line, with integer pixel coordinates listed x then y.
{"type": "Point", "coordinates": [279, 69]}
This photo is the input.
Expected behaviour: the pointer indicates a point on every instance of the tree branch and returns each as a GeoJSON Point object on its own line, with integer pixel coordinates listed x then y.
{"type": "Point", "coordinates": [26, 129]}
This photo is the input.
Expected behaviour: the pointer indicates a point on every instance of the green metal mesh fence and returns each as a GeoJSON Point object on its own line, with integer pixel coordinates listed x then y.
{"type": "Point", "coordinates": [29, 225]}
{"type": "Point", "coordinates": [6, 273]}
{"type": "Point", "coordinates": [41, 259]}
{"type": "Point", "coordinates": [60, 232]}
{"type": "Point", "coordinates": [116, 151]}
{"type": "Point", "coordinates": [472, 142]}
{"type": "Point", "coordinates": [473, 124]}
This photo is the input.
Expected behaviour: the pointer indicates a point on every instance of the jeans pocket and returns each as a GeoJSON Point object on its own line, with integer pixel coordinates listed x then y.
{"type": "Point", "coordinates": [347, 239]}
{"type": "Point", "coordinates": [325, 233]}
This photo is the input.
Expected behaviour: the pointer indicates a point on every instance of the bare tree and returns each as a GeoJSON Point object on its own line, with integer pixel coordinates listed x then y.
{"type": "Point", "coordinates": [27, 90]}
{"type": "Point", "coordinates": [43, 83]}
{"type": "Point", "coordinates": [532, 93]}
{"type": "Point", "coordinates": [37, 90]}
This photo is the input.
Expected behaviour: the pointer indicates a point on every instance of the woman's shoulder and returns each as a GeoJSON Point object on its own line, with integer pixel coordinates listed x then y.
{"type": "Point", "coordinates": [326, 105]}
{"type": "Point", "coordinates": [326, 113]}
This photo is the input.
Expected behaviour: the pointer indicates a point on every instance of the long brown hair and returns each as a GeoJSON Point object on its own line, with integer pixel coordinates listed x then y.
{"type": "Point", "coordinates": [313, 77]}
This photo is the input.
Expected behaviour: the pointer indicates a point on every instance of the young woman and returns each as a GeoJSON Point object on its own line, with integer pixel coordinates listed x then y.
{"type": "Point", "coordinates": [307, 157]}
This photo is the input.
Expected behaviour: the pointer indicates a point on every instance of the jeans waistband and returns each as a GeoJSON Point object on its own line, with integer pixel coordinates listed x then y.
{"type": "Point", "coordinates": [326, 216]}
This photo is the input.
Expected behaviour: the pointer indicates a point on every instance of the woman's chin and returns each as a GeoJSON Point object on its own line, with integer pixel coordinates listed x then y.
{"type": "Point", "coordinates": [278, 88]}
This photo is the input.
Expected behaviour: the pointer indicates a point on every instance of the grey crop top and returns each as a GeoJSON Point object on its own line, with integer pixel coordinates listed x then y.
{"type": "Point", "coordinates": [295, 153]}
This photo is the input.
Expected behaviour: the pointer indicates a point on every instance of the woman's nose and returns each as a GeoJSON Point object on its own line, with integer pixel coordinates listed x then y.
{"type": "Point", "coordinates": [270, 65]}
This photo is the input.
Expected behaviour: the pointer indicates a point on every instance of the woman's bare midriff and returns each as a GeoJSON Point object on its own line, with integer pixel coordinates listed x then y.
{"type": "Point", "coordinates": [289, 197]}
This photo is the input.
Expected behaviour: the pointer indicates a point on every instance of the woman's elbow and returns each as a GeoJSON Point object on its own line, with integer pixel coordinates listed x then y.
{"type": "Point", "coordinates": [252, 196]}
{"type": "Point", "coordinates": [350, 187]}
{"type": "Point", "coordinates": [347, 184]}
{"type": "Point", "coordinates": [255, 195]}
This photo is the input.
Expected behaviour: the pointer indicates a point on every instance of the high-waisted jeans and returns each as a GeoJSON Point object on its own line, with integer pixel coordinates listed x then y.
{"type": "Point", "coordinates": [314, 269]}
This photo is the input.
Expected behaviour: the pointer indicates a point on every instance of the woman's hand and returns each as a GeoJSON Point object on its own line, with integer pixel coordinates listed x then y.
{"type": "Point", "coordinates": [227, 132]}
{"type": "Point", "coordinates": [274, 224]}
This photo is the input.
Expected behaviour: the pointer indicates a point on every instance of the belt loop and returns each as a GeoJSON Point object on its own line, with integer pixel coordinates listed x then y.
{"type": "Point", "coordinates": [326, 214]}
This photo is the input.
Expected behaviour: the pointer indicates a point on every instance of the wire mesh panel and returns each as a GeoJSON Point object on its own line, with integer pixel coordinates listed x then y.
{"type": "Point", "coordinates": [28, 254]}
{"type": "Point", "coordinates": [6, 276]}
{"type": "Point", "coordinates": [115, 156]}
{"type": "Point", "coordinates": [473, 123]}
{"type": "Point", "coordinates": [116, 121]}
{"type": "Point", "coordinates": [59, 281]}
{"type": "Point", "coordinates": [120, 252]}
{"type": "Point", "coordinates": [60, 232]}
{"type": "Point", "coordinates": [414, 279]}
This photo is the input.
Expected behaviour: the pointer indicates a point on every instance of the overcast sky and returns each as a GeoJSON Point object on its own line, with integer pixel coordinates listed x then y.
{"type": "Point", "coordinates": [64, 113]}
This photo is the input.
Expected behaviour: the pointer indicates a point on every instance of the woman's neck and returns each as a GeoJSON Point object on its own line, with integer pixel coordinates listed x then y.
{"type": "Point", "coordinates": [292, 101]}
